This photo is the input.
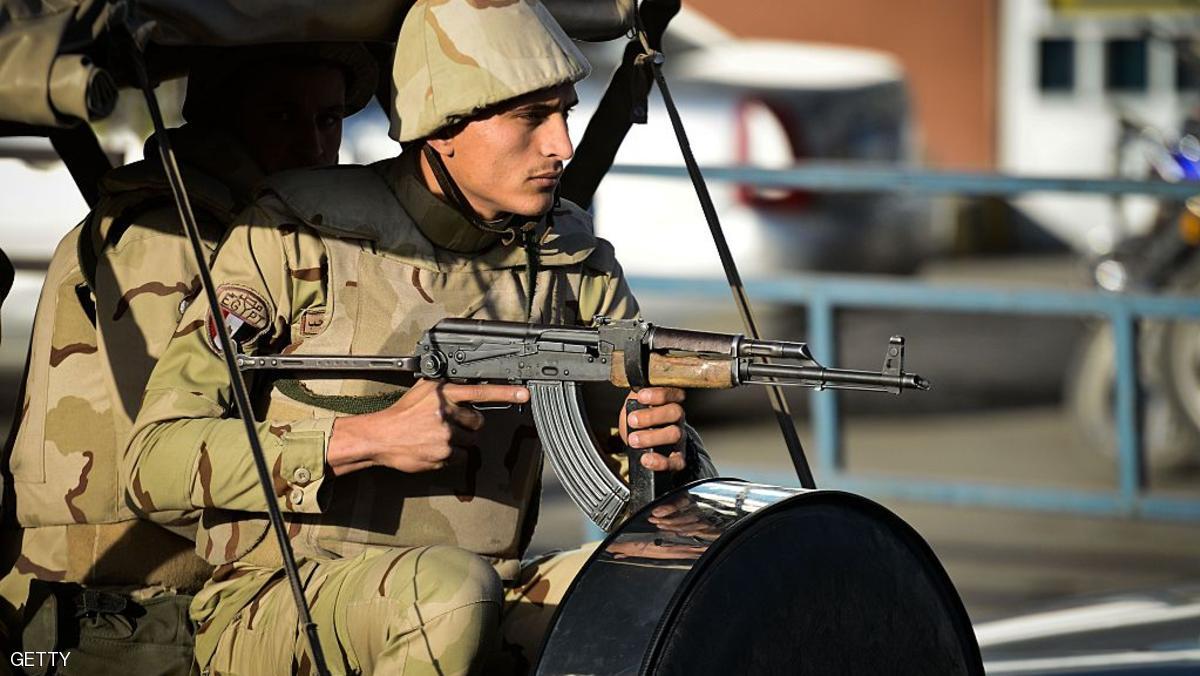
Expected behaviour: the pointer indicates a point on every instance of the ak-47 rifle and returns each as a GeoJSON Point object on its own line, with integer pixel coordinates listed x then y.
{"type": "Point", "coordinates": [551, 360]}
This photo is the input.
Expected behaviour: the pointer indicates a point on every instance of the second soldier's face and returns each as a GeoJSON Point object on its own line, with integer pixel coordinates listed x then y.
{"type": "Point", "coordinates": [510, 162]}
{"type": "Point", "coordinates": [290, 117]}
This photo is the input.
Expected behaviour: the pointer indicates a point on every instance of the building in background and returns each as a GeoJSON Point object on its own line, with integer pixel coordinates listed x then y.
{"type": "Point", "coordinates": [1035, 87]}
{"type": "Point", "coordinates": [946, 47]}
{"type": "Point", "coordinates": [1071, 71]}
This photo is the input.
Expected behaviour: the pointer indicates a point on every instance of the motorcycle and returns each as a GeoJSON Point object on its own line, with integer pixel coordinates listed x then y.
{"type": "Point", "coordinates": [1163, 259]}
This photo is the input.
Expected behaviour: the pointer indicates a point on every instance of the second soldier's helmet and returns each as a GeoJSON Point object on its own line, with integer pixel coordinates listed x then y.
{"type": "Point", "coordinates": [455, 58]}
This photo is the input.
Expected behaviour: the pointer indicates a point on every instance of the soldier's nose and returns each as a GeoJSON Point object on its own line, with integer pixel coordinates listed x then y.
{"type": "Point", "coordinates": [311, 147]}
{"type": "Point", "coordinates": [558, 139]}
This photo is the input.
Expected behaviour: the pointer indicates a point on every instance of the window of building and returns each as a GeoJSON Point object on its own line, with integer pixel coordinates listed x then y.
{"type": "Point", "coordinates": [1056, 64]}
{"type": "Point", "coordinates": [1125, 65]}
{"type": "Point", "coordinates": [1187, 66]}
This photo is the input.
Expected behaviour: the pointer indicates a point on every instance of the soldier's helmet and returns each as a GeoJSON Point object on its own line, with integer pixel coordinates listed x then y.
{"type": "Point", "coordinates": [455, 58]}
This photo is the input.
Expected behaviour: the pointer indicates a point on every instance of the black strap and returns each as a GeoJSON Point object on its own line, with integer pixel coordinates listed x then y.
{"type": "Point", "coordinates": [81, 152]}
{"type": "Point", "coordinates": [783, 414]}
{"type": "Point", "coordinates": [91, 602]}
{"type": "Point", "coordinates": [532, 259]}
{"type": "Point", "coordinates": [121, 18]}
{"type": "Point", "coordinates": [506, 227]}
{"type": "Point", "coordinates": [624, 103]}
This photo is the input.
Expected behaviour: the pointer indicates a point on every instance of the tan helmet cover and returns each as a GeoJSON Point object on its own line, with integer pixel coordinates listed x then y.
{"type": "Point", "coordinates": [456, 57]}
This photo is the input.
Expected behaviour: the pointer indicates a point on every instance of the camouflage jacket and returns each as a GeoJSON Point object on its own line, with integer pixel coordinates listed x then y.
{"type": "Point", "coordinates": [366, 273]}
{"type": "Point", "coordinates": [112, 298]}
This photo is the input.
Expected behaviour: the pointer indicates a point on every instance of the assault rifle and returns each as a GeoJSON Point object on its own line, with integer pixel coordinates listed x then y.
{"type": "Point", "coordinates": [551, 360]}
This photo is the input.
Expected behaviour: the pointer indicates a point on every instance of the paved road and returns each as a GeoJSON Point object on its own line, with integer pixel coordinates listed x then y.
{"type": "Point", "coordinates": [1001, 561]}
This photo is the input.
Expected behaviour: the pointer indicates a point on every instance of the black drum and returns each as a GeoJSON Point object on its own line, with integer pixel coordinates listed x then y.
{"type": "Point", "coordinates": [730, 577]}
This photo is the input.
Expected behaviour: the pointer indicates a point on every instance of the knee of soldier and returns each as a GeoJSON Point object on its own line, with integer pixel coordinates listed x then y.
{"type": "Point", "coordinates": [449, 578]}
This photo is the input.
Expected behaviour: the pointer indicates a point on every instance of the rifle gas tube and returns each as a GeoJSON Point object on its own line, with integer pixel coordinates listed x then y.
{"type": "Point", "coordinates": [551, 360]}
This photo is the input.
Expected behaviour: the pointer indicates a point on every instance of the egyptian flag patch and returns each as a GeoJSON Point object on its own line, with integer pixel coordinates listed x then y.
{"type": "Point", "coordinates": [244, 313]}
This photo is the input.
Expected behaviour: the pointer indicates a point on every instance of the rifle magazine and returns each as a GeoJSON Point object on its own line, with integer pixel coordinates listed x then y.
{"type": "Point", "coordinates": [568, 443]}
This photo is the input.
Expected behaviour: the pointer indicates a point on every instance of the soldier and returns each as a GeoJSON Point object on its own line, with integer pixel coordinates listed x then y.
{"type": "Point", "coordinates": [408, 509]}
{"type": "Point", "coordinates": [113, 295]}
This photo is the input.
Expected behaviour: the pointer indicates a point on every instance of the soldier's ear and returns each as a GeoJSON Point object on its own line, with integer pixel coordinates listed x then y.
{"type": "Point", "coordinates": [442, 146]}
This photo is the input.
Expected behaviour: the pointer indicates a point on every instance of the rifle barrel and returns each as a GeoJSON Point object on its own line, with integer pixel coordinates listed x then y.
{"type": "Point", "coordinates": [781, 374]}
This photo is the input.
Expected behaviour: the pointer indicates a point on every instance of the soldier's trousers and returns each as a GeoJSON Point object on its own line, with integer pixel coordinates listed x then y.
{"type": "Point", "coordinates": [412, 611]}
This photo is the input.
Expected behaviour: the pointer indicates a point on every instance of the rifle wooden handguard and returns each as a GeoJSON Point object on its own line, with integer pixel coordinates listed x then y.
{"type": "Point", "coordinates": [688, 371]}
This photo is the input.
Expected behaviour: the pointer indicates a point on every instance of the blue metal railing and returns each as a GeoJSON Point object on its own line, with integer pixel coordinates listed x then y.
{"type": "Point", "coordinates": [847, 177]}
{"type": "Point", "coordinates": [822, 295]}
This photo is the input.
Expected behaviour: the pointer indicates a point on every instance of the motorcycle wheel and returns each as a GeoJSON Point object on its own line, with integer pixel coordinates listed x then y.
{"type": "Point", "coordinates": [1179, 359]}
{"type": "Point", "coordinates": [1171, 440]}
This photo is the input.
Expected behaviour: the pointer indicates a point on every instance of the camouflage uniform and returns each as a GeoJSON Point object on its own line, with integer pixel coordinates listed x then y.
{"type": "Point", "coordinates": [114, 291]}
{"type": "Point", "coordinates": [366, 276]}
{"type": "Point", "coordinates": [405, 573]}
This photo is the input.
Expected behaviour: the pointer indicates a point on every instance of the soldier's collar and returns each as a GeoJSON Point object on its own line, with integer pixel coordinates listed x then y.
{"type": "Point", "coordinates": [440, 223]}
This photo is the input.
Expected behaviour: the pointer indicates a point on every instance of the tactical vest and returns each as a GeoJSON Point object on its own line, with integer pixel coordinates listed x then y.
{"type": "Point", "coordinates": [68, 495]}
{"type": "Point", "coordinates": [386, 285]}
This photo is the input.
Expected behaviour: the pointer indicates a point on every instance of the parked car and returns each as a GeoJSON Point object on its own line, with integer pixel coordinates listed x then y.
{"type": "Point", "coordinates": [765, 103]}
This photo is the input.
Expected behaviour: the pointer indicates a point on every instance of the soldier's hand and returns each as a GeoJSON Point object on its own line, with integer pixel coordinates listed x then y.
{"type": "Point", "coordinates": [659, 425]}
{"type": "Point", "coordinates": [429, 428]}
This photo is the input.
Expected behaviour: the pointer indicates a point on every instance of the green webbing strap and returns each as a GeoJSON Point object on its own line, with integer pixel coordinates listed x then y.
{"type": "Point", "coordinates": [339, 403]}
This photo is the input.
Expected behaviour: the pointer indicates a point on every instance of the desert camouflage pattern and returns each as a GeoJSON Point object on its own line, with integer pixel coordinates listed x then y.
{"type": "Point", "coordinates": [456, 57]}
{"type": "Point", "coordinates": [113, 295]}
{"type": "Point", "coordinates": [529, 606]}
{"type": "Point", "coordinates": [303, 275]}
{"type": "Point", "coordinates": [403, 610]}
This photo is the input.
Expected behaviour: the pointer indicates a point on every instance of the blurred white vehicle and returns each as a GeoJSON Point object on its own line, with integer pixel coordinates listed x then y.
{"type": "Point", "coordinates": [766, 104]}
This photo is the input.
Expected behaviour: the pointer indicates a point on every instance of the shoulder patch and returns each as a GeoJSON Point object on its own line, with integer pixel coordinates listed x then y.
{"type": "Point", "coordinates": [244, 312]}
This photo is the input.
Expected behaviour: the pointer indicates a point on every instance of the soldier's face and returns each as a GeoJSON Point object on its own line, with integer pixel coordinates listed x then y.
{"type": "Point", "coordinates": [290, 117]}
{"type": "Point", "coordinates": [510, 162]}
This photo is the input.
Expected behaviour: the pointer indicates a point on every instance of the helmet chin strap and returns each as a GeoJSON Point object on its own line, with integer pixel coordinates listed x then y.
{"type": "Point", "coordinates": [507, 226]}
